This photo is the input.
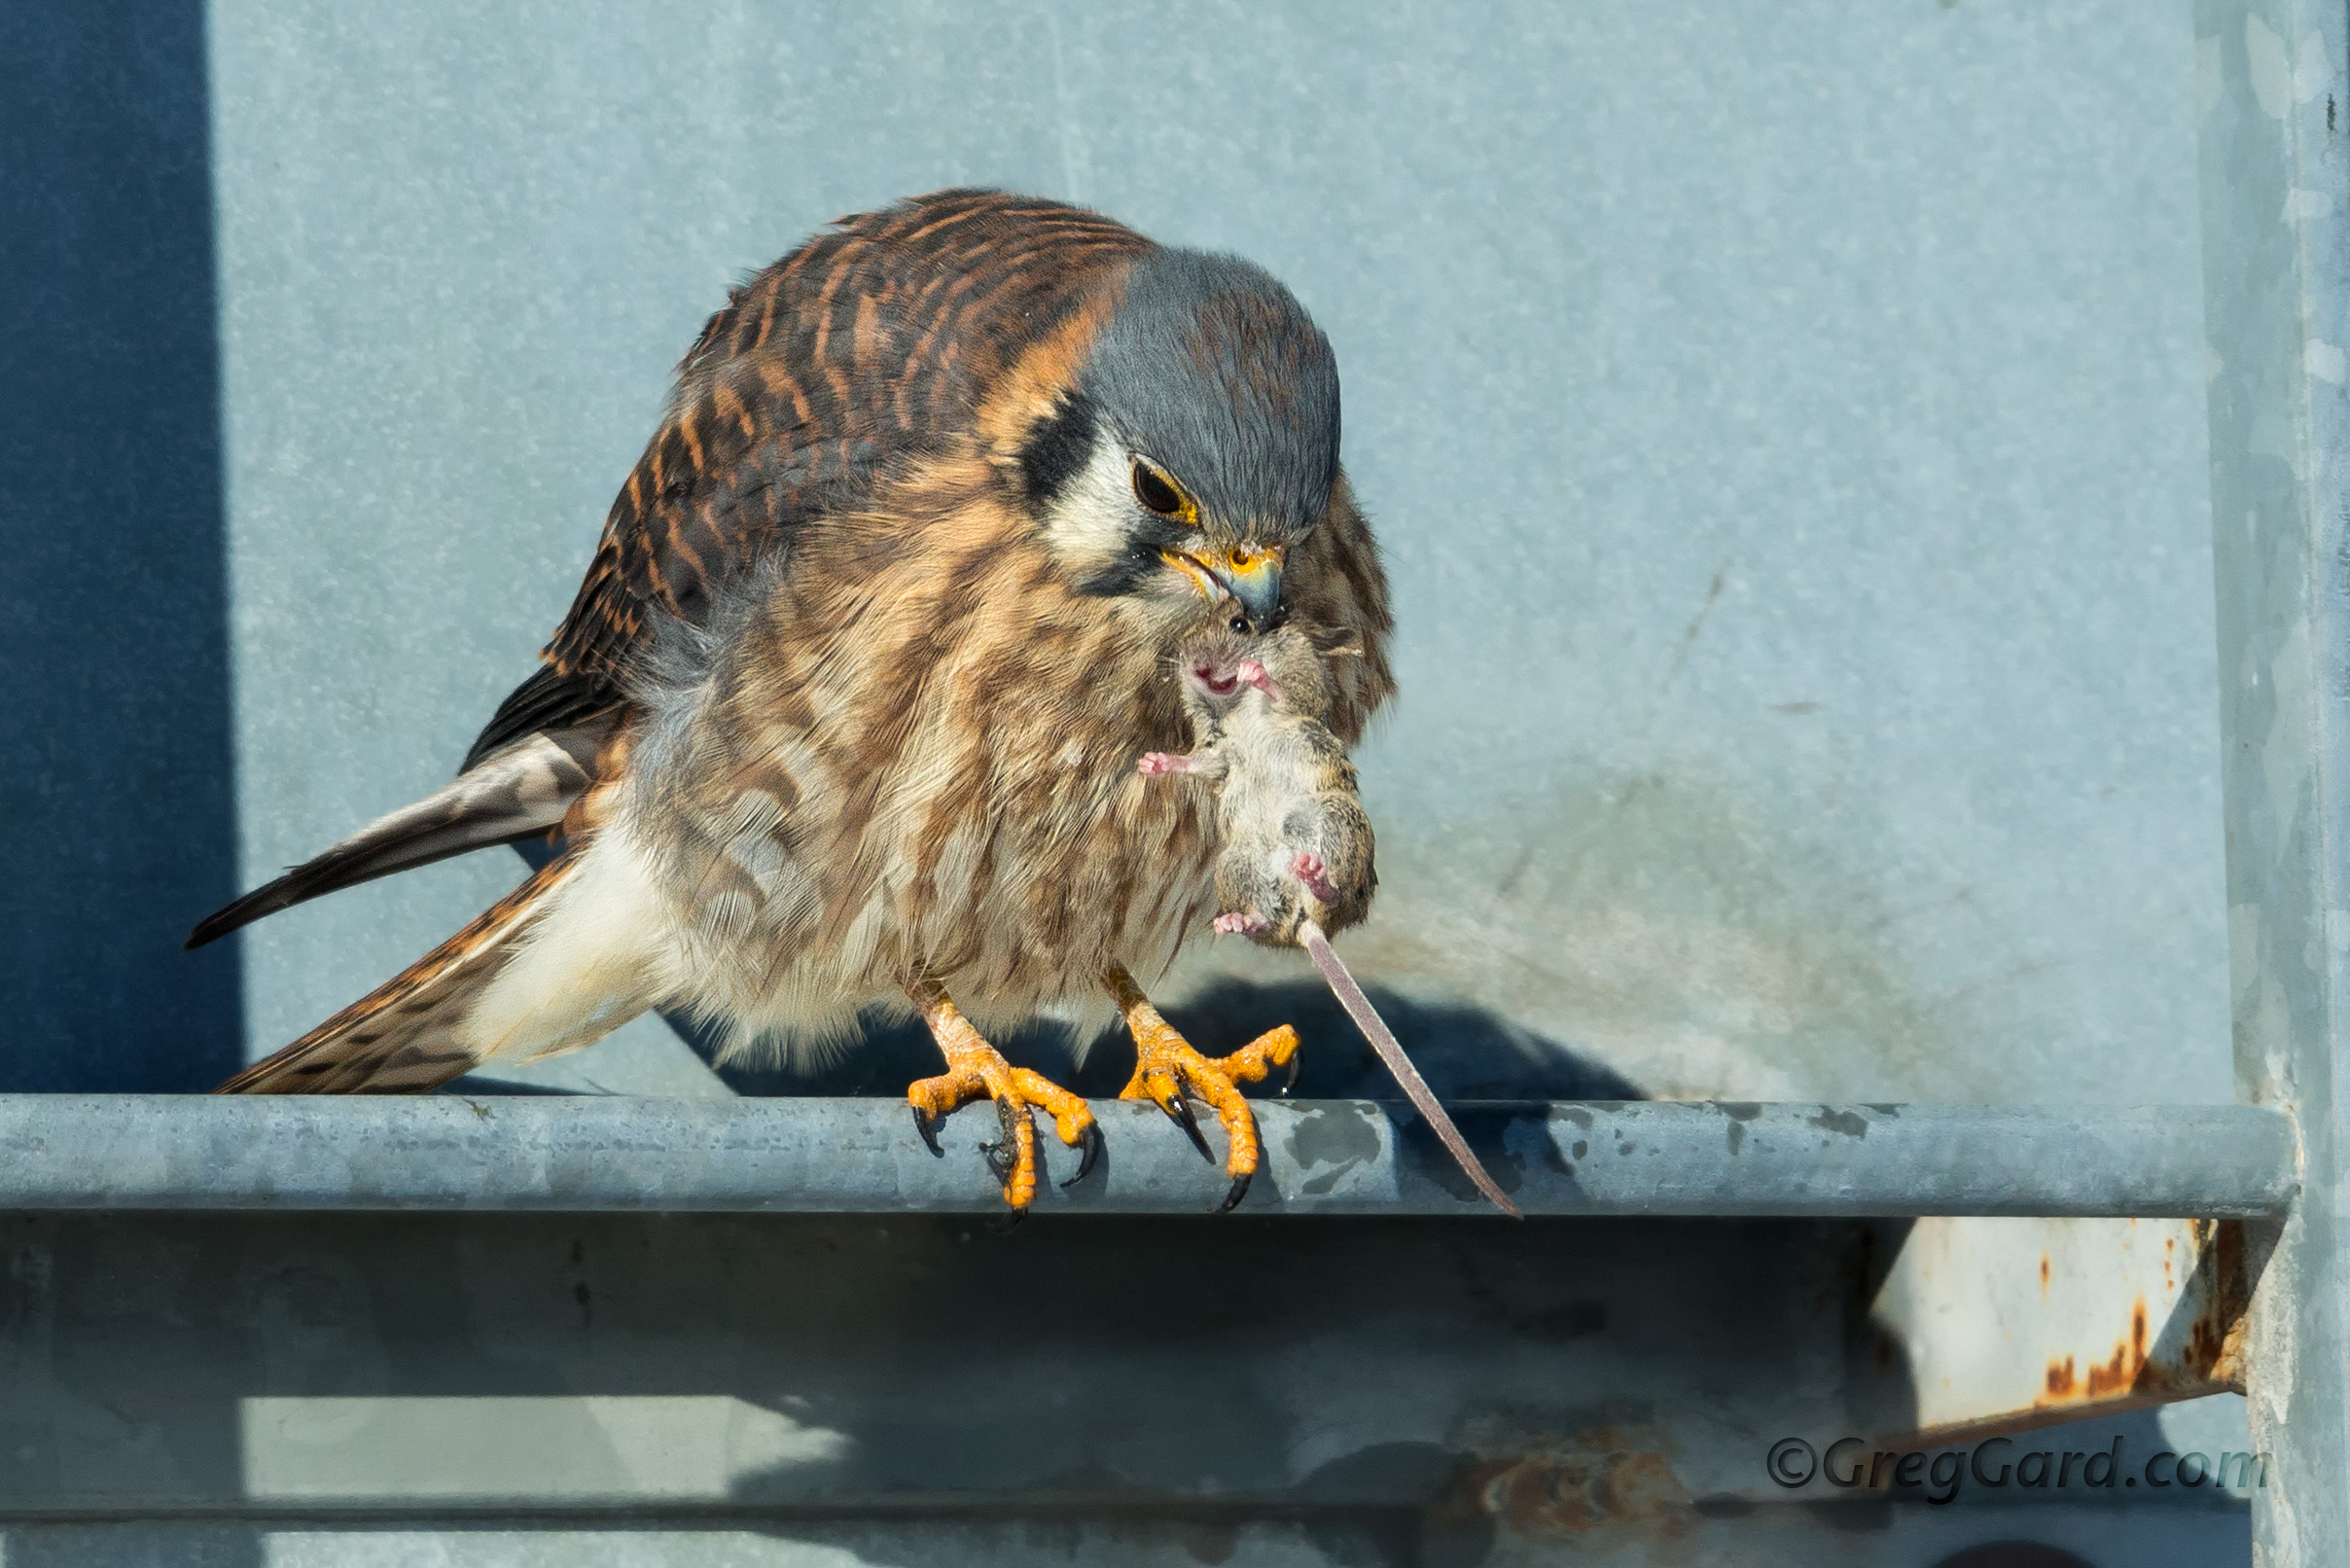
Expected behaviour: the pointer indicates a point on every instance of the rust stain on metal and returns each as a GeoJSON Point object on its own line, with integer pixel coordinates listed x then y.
{"type": "Point", "coordinates": [2209, 1353]}
{"type": "Point", "coordinates": [2231, 1303]}
{"type": "Point", "coordinates": [2205, 1354]}
{"type": "Point", "coordinates": [1604, 1477]}
{"type": "Point", "coordinates": [2043, 1273]}
{"type": "Point", "coordinates": [2128, 1362]}
{"type": "Point", "coordinates": [2195, 1347]}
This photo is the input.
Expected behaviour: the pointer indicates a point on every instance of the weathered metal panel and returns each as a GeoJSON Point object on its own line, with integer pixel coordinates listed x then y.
{"type": "Point", "coordinates": [1922, 1538]}
{"type": "Point", "coordinates": [2003, 1325]}
{"type": "Point", "coordinates": [1333, 1157]}
{"type": "Point", "coordinates": [1784, 422]}
{"type": "Point", "coordinates": [1351, 1390]}
{"type": "Point", "coordinates": [488, 1363]}
{"type": "Point", "coordinates": [2277, 236]}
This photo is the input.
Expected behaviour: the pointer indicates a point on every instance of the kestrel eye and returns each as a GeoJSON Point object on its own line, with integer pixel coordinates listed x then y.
{"type": "Point", "coordinates": [1151, 489]}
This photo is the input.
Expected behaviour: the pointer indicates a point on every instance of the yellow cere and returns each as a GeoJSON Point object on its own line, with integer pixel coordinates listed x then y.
{"type": "Point", "coordinates": [1209, 589]}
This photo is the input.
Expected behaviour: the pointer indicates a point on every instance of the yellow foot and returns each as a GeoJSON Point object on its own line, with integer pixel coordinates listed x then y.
{"type": "Point", "coordinates": [975, 1070]}
{"type": "Point", "coordinates": [1170, 1073]}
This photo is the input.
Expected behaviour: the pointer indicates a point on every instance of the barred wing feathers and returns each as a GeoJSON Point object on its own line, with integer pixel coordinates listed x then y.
{"type": "Point", "coordinates": [870, 344]}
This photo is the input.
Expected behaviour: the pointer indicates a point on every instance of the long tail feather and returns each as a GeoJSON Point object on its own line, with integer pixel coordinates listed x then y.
{"type": "Point", "coordinates": [1391, 1052]}
{"type": "Point", "coordinates": [521, 790]}
{"type": "Point", "coordinates": [402, 1037]}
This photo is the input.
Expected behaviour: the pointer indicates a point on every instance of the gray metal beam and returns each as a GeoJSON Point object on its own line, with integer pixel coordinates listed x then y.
{"type": "Point", "coordinates": [1331, 1157]}
{"type": "Point", "coordinates": [2276, 251]}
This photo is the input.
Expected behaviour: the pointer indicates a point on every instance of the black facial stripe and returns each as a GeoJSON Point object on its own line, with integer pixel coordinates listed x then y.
{"type": "Point", "coordinates": [1057, 448]}
{"type": "Point", "coordinates": [1122, 576]}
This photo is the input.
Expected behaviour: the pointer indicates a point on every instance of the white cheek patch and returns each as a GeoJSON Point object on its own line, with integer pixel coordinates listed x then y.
{"type": "Point", "coordinates": [1090, 521]}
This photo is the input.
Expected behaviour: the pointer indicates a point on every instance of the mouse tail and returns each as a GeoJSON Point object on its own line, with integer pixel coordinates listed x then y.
{"type": "Point", "coordinates": [1391, 1052]}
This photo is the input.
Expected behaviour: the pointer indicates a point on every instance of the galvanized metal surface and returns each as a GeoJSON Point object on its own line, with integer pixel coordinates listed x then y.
{"type": "Point", "coordinates": [1921, 1539]}
{"type": "Point", "coordinates": [2006, 1325]}
{"type": "Point", "coordinates": [860, 1155]}
{"type": "Point", "coordinates": [1359, 1391]}
{"type": "Point", "coordinates": [1784, 424]}
{"type": "Point", "coordinates": [2276, 233]}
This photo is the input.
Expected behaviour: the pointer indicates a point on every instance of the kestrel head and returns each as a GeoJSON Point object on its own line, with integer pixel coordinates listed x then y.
{"type": "Point", "coordinates": [1197, 443]}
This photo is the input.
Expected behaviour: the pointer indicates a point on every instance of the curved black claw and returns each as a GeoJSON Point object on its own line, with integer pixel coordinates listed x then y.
{"type": "Point", "coordinates": [928, 1130]}
{"type": "Point", "coordinates": [1296, 1060]}
{"type": "Point", "coordinates": [1089, 1148]}
{"type": "Point", "coordinates": [1179, 1112]}
{"type": "Point", "coordinates": [1240, 1187]}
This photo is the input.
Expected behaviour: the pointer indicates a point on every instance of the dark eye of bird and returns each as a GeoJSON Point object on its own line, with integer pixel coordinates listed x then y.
{"type": "Point", "coordinates": [1152, 490]}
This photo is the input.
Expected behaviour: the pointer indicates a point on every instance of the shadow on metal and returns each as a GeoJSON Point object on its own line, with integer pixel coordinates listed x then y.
{"type": "Point", "coordinates": [755, 1370]}
{"type": "Point", "coordinates": [1466, 1053]}
{"type": "Point", "coordinates": [117, 779]}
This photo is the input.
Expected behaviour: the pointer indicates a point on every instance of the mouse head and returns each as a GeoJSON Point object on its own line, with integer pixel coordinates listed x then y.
{"type": "Point", "coordinates": [1207, 670]}
{"type": "Point", "coordinates": [1221, 669]}
{"type": "Point", "coordinates": [1286, 669]}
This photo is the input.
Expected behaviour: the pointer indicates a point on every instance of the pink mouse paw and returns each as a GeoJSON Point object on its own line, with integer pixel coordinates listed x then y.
{"type": "Point", "coordinates": [1240, 923]}
{"type": "Point", "coordinates": [1307, 868]}
{"type": "Point", "coordinates": [1155, 763]}
{"type": "Point", "coordinates": [1251, 672]}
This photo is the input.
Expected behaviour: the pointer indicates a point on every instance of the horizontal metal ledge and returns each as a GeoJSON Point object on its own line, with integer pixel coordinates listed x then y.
{"type": "Point", "coordinates": [586, 1154]}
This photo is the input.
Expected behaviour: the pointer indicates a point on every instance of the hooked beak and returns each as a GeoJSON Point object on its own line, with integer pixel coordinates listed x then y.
{"type": "Point", "coordinates": [1250, 573]}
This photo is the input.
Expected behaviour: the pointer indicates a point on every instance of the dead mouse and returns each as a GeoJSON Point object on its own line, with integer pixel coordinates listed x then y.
{"type": "Point", "coordinates": [1297, 843]}
{"type": "Point", "coordinates": [1298, 860]}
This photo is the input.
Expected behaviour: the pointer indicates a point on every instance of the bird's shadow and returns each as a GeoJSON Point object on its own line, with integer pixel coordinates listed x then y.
{"type": "Point", "coordinates": [1466, 1053]}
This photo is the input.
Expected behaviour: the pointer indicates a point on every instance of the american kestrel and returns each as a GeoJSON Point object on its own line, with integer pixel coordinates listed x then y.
{"type": "Point", "coordinates": [846, 712]}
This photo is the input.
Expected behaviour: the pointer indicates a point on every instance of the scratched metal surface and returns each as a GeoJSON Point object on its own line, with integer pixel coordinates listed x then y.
{"type": "Point", "coordinates": [1325, 1157]}
{"type": "Point", "coordinates": [1786, 426]}
{"type": "Point", "coordinates": [2278, 249]}
{"type": "Point", "coordinates": [849, 1390]}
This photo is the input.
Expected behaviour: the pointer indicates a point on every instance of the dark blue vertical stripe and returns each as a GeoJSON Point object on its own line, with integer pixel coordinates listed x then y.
{"type": "Point", "coordinates": [117, 799]}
